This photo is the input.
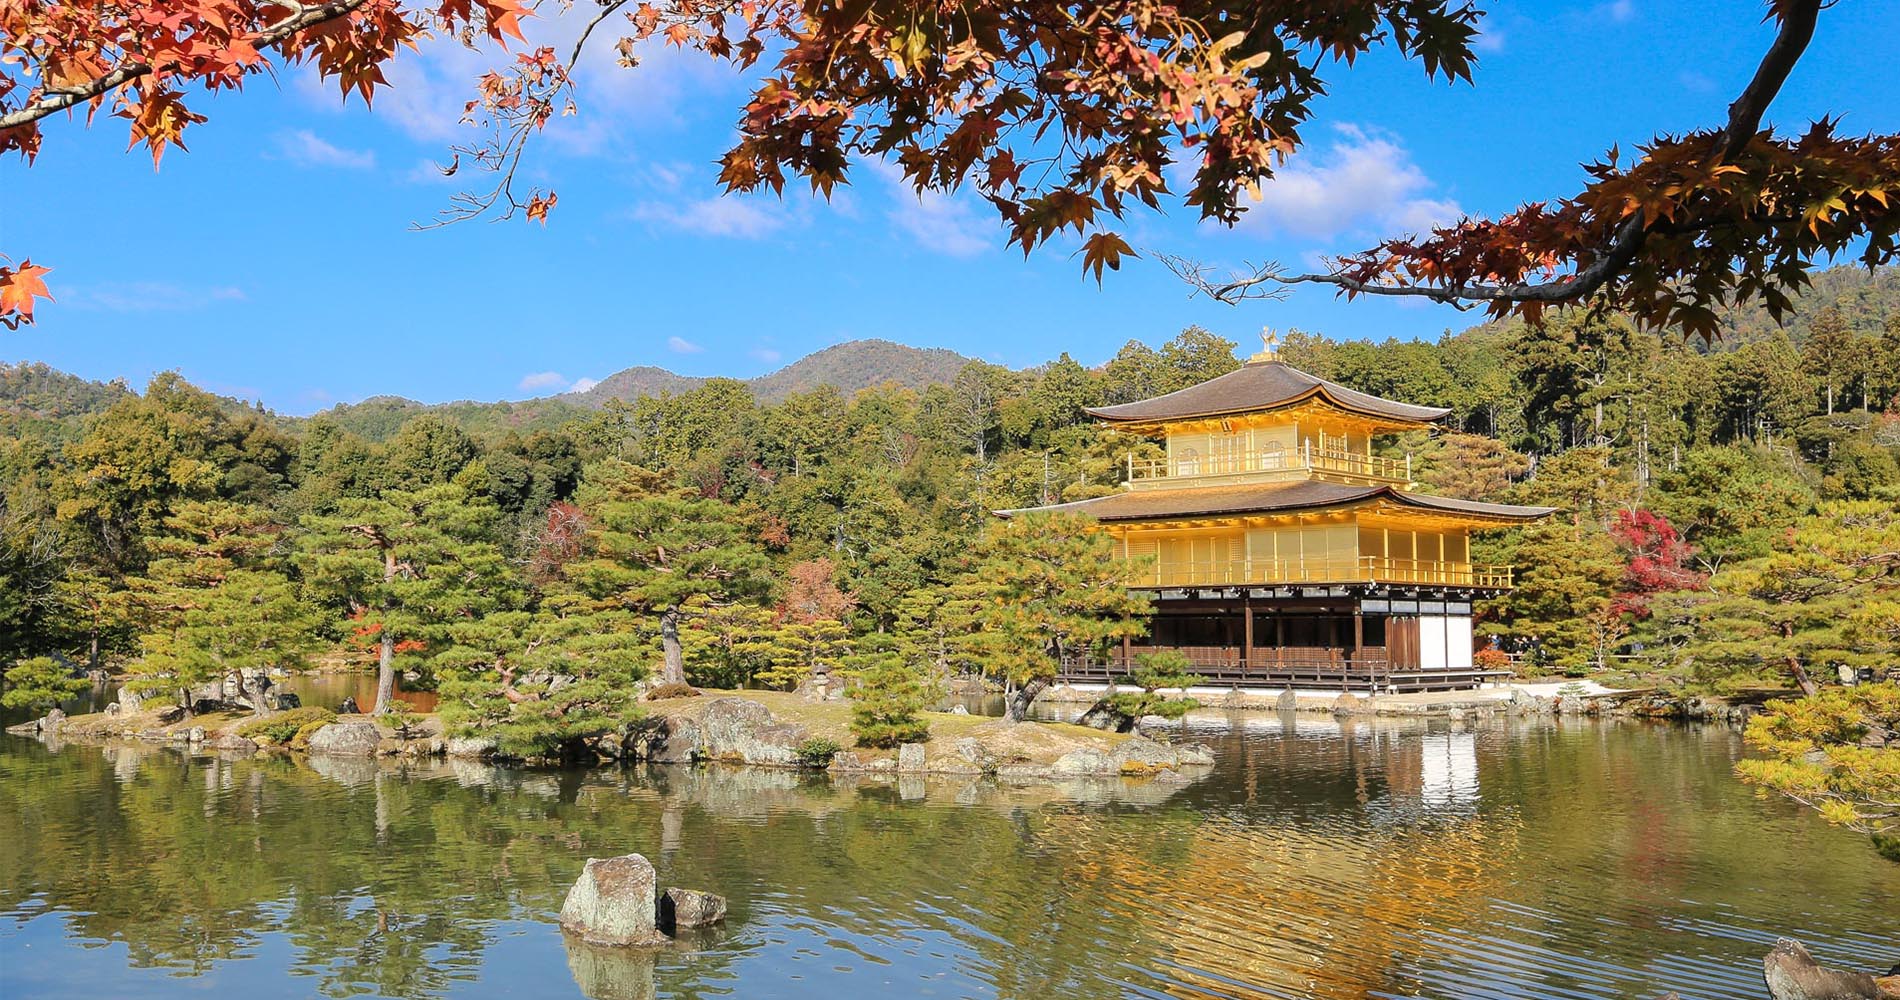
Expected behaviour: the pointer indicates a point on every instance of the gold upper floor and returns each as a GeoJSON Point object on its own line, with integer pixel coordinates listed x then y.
{"type": "Point", "coordinates": [1305, 442]}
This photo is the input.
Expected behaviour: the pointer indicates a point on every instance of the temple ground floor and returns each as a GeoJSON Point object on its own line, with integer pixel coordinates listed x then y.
{"type": "Point", "coordinates": [1368, 638]}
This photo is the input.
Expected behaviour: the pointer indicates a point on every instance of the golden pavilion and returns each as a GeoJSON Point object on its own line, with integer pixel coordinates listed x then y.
{"type": "Point", "coordinates": [1283, 549]}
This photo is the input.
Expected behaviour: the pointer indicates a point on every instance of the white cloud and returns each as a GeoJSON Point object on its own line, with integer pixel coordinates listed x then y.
{"type": "Point", "coordinates": [765, 354]}
{"type": "Point", "coordinates": [306, 149]}
{"type": "Point", "coordinates": [583, 384]}
{"type": "Point", "coordinates": [680, 345]}
{"type": "Point", "coordinates": [148, 296]}
{"type": "Point", "coordinates": [428, 88]}
{"type": "Point", "coordinates": [938, 222]}
{"type": "Point", "coordinates": [1617, 10]}
{"type": "Point", "coordinates": [728, 216]}
{"type": "Point", "coordinates": [1489, 39]}
{"type": "Point", "coordinates": [1363, 181]}
{"type": "Point", "coordinates": [542, 380]}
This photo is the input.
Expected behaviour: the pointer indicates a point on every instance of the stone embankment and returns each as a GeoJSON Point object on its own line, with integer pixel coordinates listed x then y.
{"type": "Point", "coordinates": [721, 730]}
{"type": "Point", "coordinates": [1487, 703]}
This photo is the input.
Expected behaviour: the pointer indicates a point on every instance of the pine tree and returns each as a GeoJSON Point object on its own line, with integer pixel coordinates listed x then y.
{"type": "Point", "coordinates": [886, 697]}
{"type": "Point", "coordinates": [802, 651]}
{"type": "Point", "coordinates": [663, 552]}
{"type": "Point", "coordinates": [216, 603]}
{"type": "Point", "coordinates": [1562, 605]}
{"type": "Point", "coordinates": [1154, 672]}
{"type": "Point", "coordinates": [1789, 612]}
{"type": "Point", "coordinates": [1050, 589]}
{"type": "Point", "coordinates": [405, 565]}
{"type": "Point", "coordinates": [544, 683]}
{"type": "Point", "coordinates": [40, 683]}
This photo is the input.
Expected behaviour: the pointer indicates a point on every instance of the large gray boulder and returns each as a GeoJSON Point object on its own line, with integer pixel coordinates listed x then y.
{"type": "Point", "coordinates": [1793, 974]}
{"type": "Point", "coordinates": [910, 757]}
{"type": "Point", "coordinates": [689, 908]}
{"type": "Point", "coordinates": [130, 701]}
{"type": "Point", "coordinates": [1139, 754]}
{"type": "Point", "coordinates": [743, 731]}
{"type": "Point", "coordinates": [614, 902]}
{"type": "Point", "coordinates": [346, 739]}
{"type": "Point", "coordinates": [470, 747]}
{"type": "Point", "coordinates": [663, 739]}
{"type": "Point", "coordinates": [1084, 761]}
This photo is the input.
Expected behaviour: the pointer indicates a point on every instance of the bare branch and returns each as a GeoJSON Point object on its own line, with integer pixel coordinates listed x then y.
{"type": "Point", "coordinates": [1744, 122]}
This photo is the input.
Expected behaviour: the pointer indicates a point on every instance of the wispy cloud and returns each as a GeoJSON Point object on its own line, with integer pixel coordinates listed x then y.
{"type": "Point", "coordinates": [148, 296]}
{"type": "Point", "coordinates": [765, 354]}
{"type": "Point", "coordinates": [938, 222]}
{"type": "Point", "coordinates": [541, 380]}
{"type": "Point", "coordinates": [1365, 180]}
{"type": "Point", "coordinates": [730, 217]}
{"type": "Point", "coordinates": [680, 345]}
{"type": "Point", "coordinates": [583, 384]}
{"type": "Point", "coordinates": [1617, 11]}
{"type": "Point", "coordinates": [307, 149]}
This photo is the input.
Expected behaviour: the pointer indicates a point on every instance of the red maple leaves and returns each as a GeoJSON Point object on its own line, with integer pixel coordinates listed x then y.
{"type": "Point", "coordinates": [19, 286]}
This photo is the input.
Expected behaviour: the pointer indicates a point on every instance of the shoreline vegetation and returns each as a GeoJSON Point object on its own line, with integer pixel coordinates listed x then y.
{"type": "Point", "coordinates": [752, 728]}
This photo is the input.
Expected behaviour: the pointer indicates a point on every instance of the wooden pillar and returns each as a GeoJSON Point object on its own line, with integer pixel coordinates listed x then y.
{"type": "Point", "coordinates": [1279, 637]}
{"type": "Point", "coordinates": [1246, 617]}
{"type": "Point", "coordinates": [1358, 631]}
{"type": "Point", "coordinates": [1128, 651]}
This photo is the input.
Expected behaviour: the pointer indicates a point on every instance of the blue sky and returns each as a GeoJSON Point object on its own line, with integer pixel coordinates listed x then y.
{"type": "Point", "coordinates": [275, 261]}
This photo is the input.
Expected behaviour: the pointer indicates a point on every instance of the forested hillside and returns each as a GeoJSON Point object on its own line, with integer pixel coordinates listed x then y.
{"type": "Point", "coordinates": [1700, 487]}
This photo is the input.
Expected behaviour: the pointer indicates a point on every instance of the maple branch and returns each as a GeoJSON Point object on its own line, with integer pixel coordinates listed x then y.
{"type": "Point", "coordinates": [1744, 121]}
{"type": "Point", "coordinates": [56, 99]}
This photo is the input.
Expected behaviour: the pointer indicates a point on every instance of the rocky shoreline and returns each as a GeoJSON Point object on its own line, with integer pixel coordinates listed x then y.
{"type": "Point", "coordinates": [727, 730]}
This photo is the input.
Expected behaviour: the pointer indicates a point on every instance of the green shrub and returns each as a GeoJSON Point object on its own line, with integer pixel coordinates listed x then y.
{"type": "Point", "coordinates": [818, 751]}
{"type": "Point", "coordinates": [665, 691]}
{"type": "Point", "coordinates": [284, 726]}
{"type": "Point", "coordinates": [40, 683]}
{"type": "Point", "coordinates": [301, 741]}
{"type": "Point", "coordinates": [1153, 672]}
{"type": "Point", "coordinates": [885, 701]}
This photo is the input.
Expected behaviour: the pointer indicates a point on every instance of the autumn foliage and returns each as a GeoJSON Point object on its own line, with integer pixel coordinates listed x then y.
{"type": "Point", "coordinates": [1063, 117]}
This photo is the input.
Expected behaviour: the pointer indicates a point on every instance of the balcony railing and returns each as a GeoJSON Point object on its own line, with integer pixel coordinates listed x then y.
{"type": "Point", "coordinates": [1398, 470]}
{"type": "Point", "coordinates": [1343, 569]}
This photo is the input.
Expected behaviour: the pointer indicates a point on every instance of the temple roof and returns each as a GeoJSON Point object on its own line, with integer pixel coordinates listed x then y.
{"type": "Point", "coordinates": [1266, 498]}
{"type": "Point", "coordinates": [1261, 385]}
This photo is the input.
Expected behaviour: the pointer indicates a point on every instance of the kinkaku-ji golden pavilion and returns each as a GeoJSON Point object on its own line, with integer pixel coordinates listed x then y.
{"type": "Point", "coordinates": [1282, 551]}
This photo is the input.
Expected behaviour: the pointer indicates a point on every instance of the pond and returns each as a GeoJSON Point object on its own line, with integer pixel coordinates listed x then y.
{"type": "Point", "coordinates": [1524, 859]}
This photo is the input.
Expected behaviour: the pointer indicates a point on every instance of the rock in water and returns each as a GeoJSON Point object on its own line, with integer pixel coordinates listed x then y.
{"type": "Point", "coordinates": [347, 739]}
{"type": "Point", "coordinates": [349, 707]}
{"type": "Point", "coordinates": [1793, 974]}
{"type": "Point", "coordinates": [470, 747]}
{"type": "Point", "coordinates": [51, 723]}
{"type": "Point", "coordinates": [614, 903]}
{"type": "Point", "coordinates": [1287, 702]}
{"type": "Point", "coordinates": [284, 701]}
{"type": "Point", "coordinates": [910, 757]}
{"type": "Point", "coordinates": [171, 714]}
{"type": "Point", "coordinates": [743, 732]}
{"type": "Point", "coordinates": [690, 908]}
{"type": "Point", "coordinates": [1106, 717]}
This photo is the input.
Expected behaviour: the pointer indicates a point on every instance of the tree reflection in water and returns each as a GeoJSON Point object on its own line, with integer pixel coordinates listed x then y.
{"type": "Point", "coordinates": [1319, 860]}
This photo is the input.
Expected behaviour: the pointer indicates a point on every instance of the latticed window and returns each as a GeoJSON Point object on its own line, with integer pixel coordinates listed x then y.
{"type": "Point", "coordinates": [1187, 462]}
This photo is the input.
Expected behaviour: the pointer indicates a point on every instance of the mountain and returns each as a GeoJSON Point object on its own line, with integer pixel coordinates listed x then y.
{"type": "Point", "coordinates": [848, 367]}
{"type": "Point", "coordinates": [40, 401]}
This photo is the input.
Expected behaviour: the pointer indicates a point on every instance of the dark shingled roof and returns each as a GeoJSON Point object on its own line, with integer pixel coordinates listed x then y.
{"type": "Point", "coordinates": [1262, 385]}
{"type": "Point", "coordinates": [1142, 505]}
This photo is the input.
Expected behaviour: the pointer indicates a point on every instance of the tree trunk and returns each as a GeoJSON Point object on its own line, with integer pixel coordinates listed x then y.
{"type": "Point", "coordinates": [674, 671]}
{"type": "Point", "coordinates": [259, 685]}
{"type": "Point", "coordinates": [1016, 708]}
{"type": "Point", "coordinates": [1802, 677]}
{"type": "Point", "coordinates": [385, 673]}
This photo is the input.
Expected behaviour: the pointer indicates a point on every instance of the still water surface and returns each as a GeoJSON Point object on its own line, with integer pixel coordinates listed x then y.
{"type": "Point", "coordinates": [1535, 860]}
